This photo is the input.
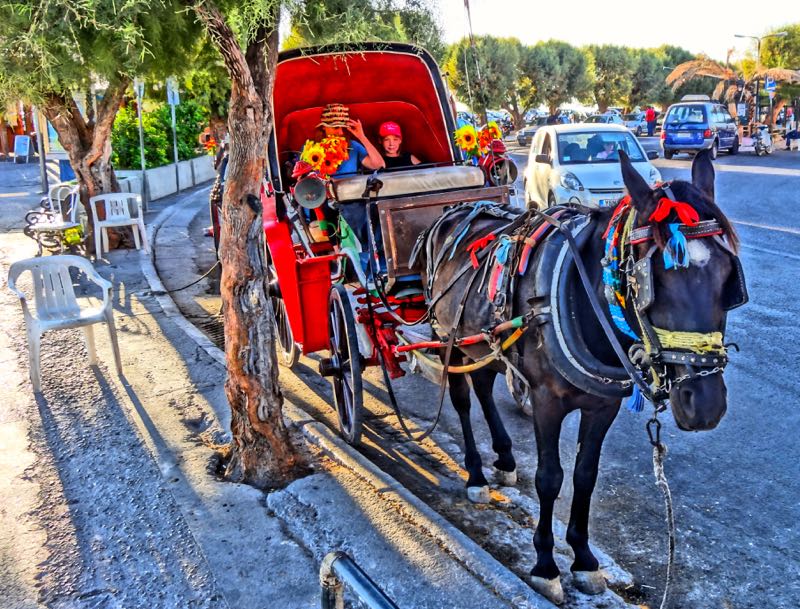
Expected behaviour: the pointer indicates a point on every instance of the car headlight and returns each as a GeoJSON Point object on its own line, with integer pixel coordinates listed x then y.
{"type": "Point", "coordinates": [570, 180]}
{"type": "Point", "coordinates": [655, 176]}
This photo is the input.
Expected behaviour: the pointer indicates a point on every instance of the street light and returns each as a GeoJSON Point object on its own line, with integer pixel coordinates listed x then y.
{"type": "Point", "coordinates": [758, 39]}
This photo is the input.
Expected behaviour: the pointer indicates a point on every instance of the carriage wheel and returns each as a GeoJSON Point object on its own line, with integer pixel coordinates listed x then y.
{"type": "Point", "coordinates": [288, 350]}
{"type": "Point", "coordinates": [345, 364]}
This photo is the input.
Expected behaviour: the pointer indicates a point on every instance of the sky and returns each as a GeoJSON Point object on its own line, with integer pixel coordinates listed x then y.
{"type": "Point", "coordinates": [700, 26]}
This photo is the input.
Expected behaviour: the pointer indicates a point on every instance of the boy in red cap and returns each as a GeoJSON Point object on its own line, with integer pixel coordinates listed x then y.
{"type": "Point", "coordinates": [391, 140]}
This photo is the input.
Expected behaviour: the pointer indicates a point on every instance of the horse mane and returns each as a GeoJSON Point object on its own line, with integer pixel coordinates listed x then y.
{"type": "Point", "coordinates": [706, 208]}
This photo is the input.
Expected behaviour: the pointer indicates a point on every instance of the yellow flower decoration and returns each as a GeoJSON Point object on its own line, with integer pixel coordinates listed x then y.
{"type": "Point", "coordinates": [466, 138]}
{"type": "Point", "coordinates": [313, 154]}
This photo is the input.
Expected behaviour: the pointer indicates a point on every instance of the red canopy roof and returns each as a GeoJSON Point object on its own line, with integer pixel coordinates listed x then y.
{"type": "Point", "coordinates": [378, 82]}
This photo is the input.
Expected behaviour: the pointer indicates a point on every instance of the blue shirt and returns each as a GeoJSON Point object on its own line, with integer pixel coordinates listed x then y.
{"type": "Point", "coordinates": [357, 154]}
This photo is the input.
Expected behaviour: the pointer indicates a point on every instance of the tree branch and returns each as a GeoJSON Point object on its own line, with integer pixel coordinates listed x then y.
{"type": "Point", "coordinates": [106, 113]}
{"type": "Point", "coordinates": [225, 41]}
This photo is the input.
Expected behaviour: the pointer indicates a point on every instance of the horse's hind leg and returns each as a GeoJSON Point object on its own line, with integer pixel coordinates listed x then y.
{"type": "Point", "coordinates": [593, 429]}
{"type": "Point", "coordinates": [505, 465]}
{"type": "Point", "coordinates": [547, 419]}
{"type": "Point", "coordinates": [477, 486]}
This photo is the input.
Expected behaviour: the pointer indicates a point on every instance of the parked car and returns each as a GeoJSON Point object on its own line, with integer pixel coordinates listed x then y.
{"type": "Point", "coordinates": [610, 118]}
{"type": "Point", "coordinates": [635, 122]}
{"type": "Point", "coordinates": [579, 165]}
{"type": "Point", "coordinates": [698, 125]}
{"type": "Point", "coordinates": [525, 135]}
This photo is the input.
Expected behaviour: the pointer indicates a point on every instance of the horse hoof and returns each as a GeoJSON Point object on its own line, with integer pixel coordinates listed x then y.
{"type": "Point", "coordinates": [506, 478]}
{"type": "Point", "coordinates": [479, 494]}
{"type": "Point", "coordinates": [589, 582]}
{"type": "Point", "coordinates": [549, 588]}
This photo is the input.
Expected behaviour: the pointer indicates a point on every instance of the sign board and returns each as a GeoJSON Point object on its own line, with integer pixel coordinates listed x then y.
{"type": "Point", "coordinates": [771, 95]}
{"type": "Point", "coordinates": [173, 97]}
{"type": "Point", "coordinates": [741, 110]}
{"type": "Point", "coordinates": [22, 147]}
{"type": "Point", "coordinates": [769, 84]}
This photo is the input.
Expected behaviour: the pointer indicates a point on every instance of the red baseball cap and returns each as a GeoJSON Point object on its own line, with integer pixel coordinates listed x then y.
{"type": "Point", "coordinates": [390, 128]}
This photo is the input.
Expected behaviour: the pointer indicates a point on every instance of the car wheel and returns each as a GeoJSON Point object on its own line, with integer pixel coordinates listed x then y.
{"type": "Point", "coordinates": [668, 154]}
{"type": "Point", "coordinates": [551, 200]}
{"type": "Point", "coordinates": [714, 150]}
{"type": "Point", "coordinates": [639, 131]}
{"type": "Point", "coordinates": [735, 148]}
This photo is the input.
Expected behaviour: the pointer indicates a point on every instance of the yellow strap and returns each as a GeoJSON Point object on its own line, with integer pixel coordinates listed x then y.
{"type": "Point", "coordinates": [696, 342]}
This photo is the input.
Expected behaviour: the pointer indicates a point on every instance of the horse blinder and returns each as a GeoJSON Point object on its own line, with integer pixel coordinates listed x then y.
{"type": "Point", "coordinates": [734, 292]}
{"type": "Point", "coordinates": [641, 281]}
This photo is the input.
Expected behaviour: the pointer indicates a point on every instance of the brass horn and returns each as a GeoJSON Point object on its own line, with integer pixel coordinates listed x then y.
{"type": "Point", "coordinates": [310, 192]}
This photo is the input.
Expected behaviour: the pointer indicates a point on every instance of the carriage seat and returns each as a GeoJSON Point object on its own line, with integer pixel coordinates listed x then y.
{"type": "Point", "coordinates": [411, 181]}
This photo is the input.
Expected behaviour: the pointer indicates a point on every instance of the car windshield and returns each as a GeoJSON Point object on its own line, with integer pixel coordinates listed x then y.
{"type": "Point", "coordinates": [631, 117]}
{"type": "Point", "coordinates": [692, 115]}
{"type": "Point", "coordinates": [596, 147]}
{"type": "Point", "coordinates": [596, 119]}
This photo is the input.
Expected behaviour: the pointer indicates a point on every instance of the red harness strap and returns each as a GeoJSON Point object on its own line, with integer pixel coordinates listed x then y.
{"type": "Point", "coordinates": [477, 245]}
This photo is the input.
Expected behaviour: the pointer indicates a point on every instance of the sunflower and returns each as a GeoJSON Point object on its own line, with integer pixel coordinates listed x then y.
{"type": "Point", "coordinates": [466, 138]}
{"type": "Point", "coordinates": [313, 154]}
{"type": "Point", "coordinates": [329, 166]}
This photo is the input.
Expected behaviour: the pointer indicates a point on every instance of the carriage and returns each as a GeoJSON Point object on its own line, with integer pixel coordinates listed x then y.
{"type": "Point", "coordinates": [339, 248]}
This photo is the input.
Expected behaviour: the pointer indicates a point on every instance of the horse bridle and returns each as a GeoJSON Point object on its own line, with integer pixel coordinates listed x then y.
{"type": "Point", "coordinates": [660, 350]}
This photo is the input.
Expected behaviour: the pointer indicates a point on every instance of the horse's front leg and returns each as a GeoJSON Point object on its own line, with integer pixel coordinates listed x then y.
{"type": "Point", "coordinates": [505, 465]}
{"type": "Point", "coordinates": [547, 419]}
{"type": "Point", "coordinates": [477, 486]}
{"type": "Point", "coordinates": [594, 426]}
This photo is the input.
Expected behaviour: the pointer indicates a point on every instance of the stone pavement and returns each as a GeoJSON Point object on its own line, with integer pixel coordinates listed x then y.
{"type": "Point", "coordinates": [110, 493]}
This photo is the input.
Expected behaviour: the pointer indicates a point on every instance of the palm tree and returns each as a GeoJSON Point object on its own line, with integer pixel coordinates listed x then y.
{"type": "Point", "coordinates": [733, 87]}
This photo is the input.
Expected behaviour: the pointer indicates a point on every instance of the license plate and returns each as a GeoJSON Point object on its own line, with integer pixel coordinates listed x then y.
{"type": "Point", "coordinates": [608, 202]}
{"type": "Point", "coordinates": [685, 135]}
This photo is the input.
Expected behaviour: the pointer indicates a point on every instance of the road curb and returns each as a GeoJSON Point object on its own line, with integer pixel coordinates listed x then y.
{"type": "Point", "coordinates": [472, 557]}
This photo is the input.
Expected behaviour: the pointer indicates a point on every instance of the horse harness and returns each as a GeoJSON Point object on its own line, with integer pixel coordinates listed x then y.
{"type": "Point", "coordinates": [504, 253]}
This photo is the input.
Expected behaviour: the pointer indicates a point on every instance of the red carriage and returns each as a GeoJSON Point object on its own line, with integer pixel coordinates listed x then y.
{"type": "Point", "coordinates": [338, 249]}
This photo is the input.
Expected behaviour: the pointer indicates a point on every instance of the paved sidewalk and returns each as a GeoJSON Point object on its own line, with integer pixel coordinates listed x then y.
{"type": "Point", "coordinates": [111, 497]}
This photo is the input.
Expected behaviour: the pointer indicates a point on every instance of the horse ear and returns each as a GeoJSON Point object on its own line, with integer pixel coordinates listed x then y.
{"type": "Point", "coordinates": [703, 173]}
{"type": "Point", "coordinates": [641, 194]}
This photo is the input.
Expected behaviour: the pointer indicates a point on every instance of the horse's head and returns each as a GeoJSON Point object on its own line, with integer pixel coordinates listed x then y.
{"type": "Point", "coordinates": [685, 276]}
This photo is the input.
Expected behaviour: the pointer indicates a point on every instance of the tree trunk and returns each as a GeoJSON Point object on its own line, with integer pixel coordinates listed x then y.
{"type": "Point", "coordinates": [777, 104]}
{"type": "Point", "coordinates": [4, 146]}
{"type": "Point", "coordinates": [88, 144]}
{"type": "Point", "coordinates": [262, 452]}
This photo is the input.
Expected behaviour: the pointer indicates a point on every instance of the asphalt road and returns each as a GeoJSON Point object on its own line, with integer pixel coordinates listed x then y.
{"type": "Point", "coordinates": [735, 488]}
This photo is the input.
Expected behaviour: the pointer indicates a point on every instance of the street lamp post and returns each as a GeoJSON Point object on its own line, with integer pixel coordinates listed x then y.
{"type": "Point", "coordinates": [758, 40]}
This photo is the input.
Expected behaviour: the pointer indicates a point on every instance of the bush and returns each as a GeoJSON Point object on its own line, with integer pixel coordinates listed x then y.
{"type": "Point", "coordinates": [190, 119]}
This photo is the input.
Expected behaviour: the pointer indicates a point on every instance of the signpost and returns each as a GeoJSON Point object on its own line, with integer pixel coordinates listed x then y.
{"type": "Point", "coordinates": [138, 87]}
{"type": "Point", "coordinates": [173, 99]}
{"type": "Point", "coordinates": [770, 86]}
{"type": "Point", "coordinates": [40, 145]}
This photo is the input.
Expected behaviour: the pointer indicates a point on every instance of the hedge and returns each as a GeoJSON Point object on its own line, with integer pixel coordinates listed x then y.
{"type": "Point", "coordinates": [190, 120]}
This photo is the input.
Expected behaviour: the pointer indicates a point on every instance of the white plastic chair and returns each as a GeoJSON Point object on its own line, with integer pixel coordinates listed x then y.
{"type": "Point", "coordinates": [64, 201]}
{"type": "Point", "coordinates": [57, 307]}
{"type": "Point", "coordinates": [118, 213]}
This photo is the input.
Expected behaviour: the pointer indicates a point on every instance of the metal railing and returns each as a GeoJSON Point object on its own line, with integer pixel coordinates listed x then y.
{"type": "Point", "coordinates": [337, 569]}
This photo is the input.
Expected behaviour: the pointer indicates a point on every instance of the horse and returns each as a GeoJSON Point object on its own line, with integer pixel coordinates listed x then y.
{"type": "Point", "coordinates": [671, 292]}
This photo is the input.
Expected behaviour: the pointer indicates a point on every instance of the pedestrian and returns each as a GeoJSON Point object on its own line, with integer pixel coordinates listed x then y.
{"type": "Point", "coordinates": [650, 118]}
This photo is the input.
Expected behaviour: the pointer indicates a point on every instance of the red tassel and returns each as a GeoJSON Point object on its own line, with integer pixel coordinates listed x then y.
{"type": "Point", "coordinates": [476, 245]}
{"type": "Point", "coordinates": [685, 212]}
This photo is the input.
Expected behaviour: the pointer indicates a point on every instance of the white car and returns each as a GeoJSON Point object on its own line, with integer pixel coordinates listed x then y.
{"type": "Point", "coordinates": [635, 122]}
{"type": "Point", "coordinates": [579, 165]}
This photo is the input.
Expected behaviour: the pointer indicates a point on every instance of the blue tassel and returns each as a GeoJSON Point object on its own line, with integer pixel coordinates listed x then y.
{"type": "Point", "coordinates": [635, 403]}
{"type": "Point", "coordinates": [676, 253]}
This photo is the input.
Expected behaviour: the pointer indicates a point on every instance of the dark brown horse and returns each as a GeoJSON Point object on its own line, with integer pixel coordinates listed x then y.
{"type": "Point", "coordinates": [566, 357]}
